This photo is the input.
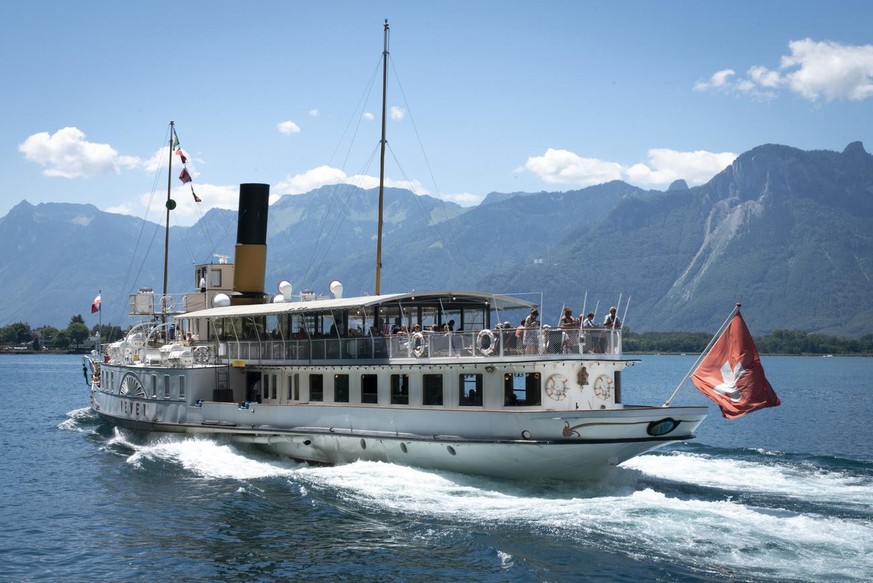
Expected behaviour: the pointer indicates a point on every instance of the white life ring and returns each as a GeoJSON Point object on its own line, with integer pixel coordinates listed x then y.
{"type": "Point", "coordinates": [556, 387]}
{"type": "Point", "coordinates": [419, 345]}
{"type": "Point", "coordinates": [486, 347]}
{"type": "Point", "coordinates": [603, 387]}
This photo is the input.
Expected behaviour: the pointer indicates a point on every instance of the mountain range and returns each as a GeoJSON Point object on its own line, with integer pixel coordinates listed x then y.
{"type": "Point", "coordinates": [787, 233]}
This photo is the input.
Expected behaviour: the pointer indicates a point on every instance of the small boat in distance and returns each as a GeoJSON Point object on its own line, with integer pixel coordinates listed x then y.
{"type": "Point", "coordinates": [437, 379]}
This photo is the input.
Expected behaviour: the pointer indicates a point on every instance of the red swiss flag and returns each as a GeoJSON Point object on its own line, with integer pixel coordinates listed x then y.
{"type": "Point", "coordinates": [731, 373]}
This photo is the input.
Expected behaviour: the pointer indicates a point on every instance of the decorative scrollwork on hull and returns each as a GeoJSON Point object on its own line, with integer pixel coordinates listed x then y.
{"type": "Point", "coordinates": [131, 386]}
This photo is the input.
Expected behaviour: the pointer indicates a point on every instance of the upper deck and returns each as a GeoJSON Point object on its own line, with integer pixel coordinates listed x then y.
{"type": "Point", "coordinates": [434, 326]}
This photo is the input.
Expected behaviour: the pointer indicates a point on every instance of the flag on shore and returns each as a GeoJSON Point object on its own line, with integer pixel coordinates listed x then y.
{"type": "Point", "coordinates": [95, 304]}
{"type": "Point", "coordinates": [731, 373]}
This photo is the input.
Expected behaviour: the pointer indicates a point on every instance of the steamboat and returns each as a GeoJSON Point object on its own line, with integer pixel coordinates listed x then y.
{"type": "Point", "coordinates": [438, 379]}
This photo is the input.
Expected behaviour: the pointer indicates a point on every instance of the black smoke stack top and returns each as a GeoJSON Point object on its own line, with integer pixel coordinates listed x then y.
{"type": "Point", "coordinates": [250, 253]}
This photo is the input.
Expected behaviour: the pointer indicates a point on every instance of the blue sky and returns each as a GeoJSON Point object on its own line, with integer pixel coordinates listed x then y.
{"type": "Point", "coordinates": [486, 96]}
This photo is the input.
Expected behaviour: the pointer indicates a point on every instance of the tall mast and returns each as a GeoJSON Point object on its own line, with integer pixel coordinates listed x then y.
{"type": "Point", "coordinates": [170, 206]}
{"type": "Point", "coordinates": [382, 164]}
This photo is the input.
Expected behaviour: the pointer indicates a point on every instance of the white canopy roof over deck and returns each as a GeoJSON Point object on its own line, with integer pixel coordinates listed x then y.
{"type": "Point", "coordinates": [412, 299]}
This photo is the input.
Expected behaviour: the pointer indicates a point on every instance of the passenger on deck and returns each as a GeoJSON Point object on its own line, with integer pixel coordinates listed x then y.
{"type": "Point", "coordinates": [531, 339]}
{"type": "Point", "coordinates": [570, 331]}
{"type": "Point", "coordinates": [567, 320]}
{"type": "Point", "coordinates": [587, 335]}
{"type": "Point", "coordinates": [611, 320]}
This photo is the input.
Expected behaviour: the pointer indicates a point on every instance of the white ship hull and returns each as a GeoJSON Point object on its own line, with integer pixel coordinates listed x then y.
{"type": "Point", "coordinates": [517, 444]}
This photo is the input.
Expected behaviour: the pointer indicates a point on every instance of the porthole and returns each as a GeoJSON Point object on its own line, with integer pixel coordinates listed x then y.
{"type": "Point", "coordinates": [403, 447]}
{"type": "Point", "coordinates": [363, 444]}
{"type": "Point", "coordinates": [451, 450]}
{"type": "Point", "coordinates": [307, 442]}
{"type": "Point", "coordinates": [525, 434]}
{"type": "Point", "coordinates": [662, 427]}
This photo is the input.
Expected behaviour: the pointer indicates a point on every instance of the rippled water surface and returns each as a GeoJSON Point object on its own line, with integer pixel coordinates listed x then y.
{"type": "Point", "coordinates": [784, 494]}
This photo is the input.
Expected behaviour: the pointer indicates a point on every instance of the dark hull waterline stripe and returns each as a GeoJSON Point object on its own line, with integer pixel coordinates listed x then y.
{"type": "Point", "coordinates": [216, 429]}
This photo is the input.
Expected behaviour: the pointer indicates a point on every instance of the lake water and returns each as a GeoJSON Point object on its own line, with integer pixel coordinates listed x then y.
{"type": "Point", "coordinates": [783, 494]}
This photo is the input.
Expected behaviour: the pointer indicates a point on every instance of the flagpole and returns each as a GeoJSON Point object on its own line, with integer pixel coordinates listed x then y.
{"type": "Point", "coordinates": [170, 206]}
{"type": "Point", "coordinates": [382, 165]}
{"type": "Point", "coordinates": [99, 318]}
{"type": "Point", "coordinates": [715, 337]}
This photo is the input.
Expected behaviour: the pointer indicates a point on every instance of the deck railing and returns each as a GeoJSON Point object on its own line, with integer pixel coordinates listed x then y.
{"type": "Point", "coordinates": [496, 344]}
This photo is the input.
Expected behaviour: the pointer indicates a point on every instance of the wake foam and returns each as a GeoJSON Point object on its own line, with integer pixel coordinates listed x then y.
{"type": "Point", "coordinates": [767, 475]}
{"type": "Point", "coordinates": [738, 518]}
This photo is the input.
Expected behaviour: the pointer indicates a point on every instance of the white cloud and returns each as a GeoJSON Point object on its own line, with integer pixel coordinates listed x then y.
{"type": "Point", "coordinates": [122, 209]}
{"type": "Point", "coordinates": [396, 113]}
{"type": "Point", "coordinates": [288, 127]}
{"type": "Point", "coordinates": [764, 77]}
{"type": "Point", "coordinates": [463, 198]}
{"type": "Point", "coordinates": [158, 162]}
{"type": "Point", "coordinates": [67, 154]}
{"type": "Point", "coordinates": [565, 167]}
{"type": "Point", "coordinates": [324, 175]}
{"type": "Point", "coordinates": [187, 211]}
{"type": "Point", "coordinates": [663, 167]}
{"type": "Point", "coordinates": [368, 116]}
{"type": "Point", "coordinates": [300, 183]}
{"type": "Point", "coordinates": [718, 80]}
{"type": "Point", "coordinates": [829, 70]}
{"type": "Point", "coordinates": [814, 70]}
{"type": "Point", "coordinates": [313, 113]}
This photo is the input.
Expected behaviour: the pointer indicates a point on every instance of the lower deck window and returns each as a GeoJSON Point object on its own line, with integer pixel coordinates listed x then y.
{"type": "Point", "coordinates": [341, 388]}
{"type": "Point", "coordinates": [294, 387]}
{"type": "Point", "coordinates": [400, 389]}
{"type": "Point", "coordinates": [521, 389]}
{"type": "Point", "coordinates": [470, 390]}
{"type": "Point", "coordinates": [432, 389]}
{"type": "Point", "coordinates": [316, 387]}
{"type": "Point", "coordinates": [369, 388]}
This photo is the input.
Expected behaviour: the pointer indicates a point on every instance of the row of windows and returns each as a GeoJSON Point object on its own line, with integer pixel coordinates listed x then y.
{"type": "Point", "coordinates": [518, 389]}
{"type": "Point", "coordinates": [130, 385]}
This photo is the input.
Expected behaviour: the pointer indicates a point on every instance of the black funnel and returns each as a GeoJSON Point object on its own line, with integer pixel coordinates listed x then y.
{"type": "Point", "coordinates": [250, 253]}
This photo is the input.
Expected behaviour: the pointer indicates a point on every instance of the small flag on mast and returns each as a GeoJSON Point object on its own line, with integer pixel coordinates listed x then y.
{"type": "Point", "coordinates": [182, 155]}
{"type": "Point", "coordinates": [184, 176]}
{"type": "Point", "coordinates": [731, 373]}
{"type": "Point", "coordinates": [95, 304]}
{"type": "Point", "coordinates": [194, 194]}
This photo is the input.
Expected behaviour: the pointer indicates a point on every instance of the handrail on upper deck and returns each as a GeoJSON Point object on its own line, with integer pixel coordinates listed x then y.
{"type": "Point", "coordinates": [493, 344]}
